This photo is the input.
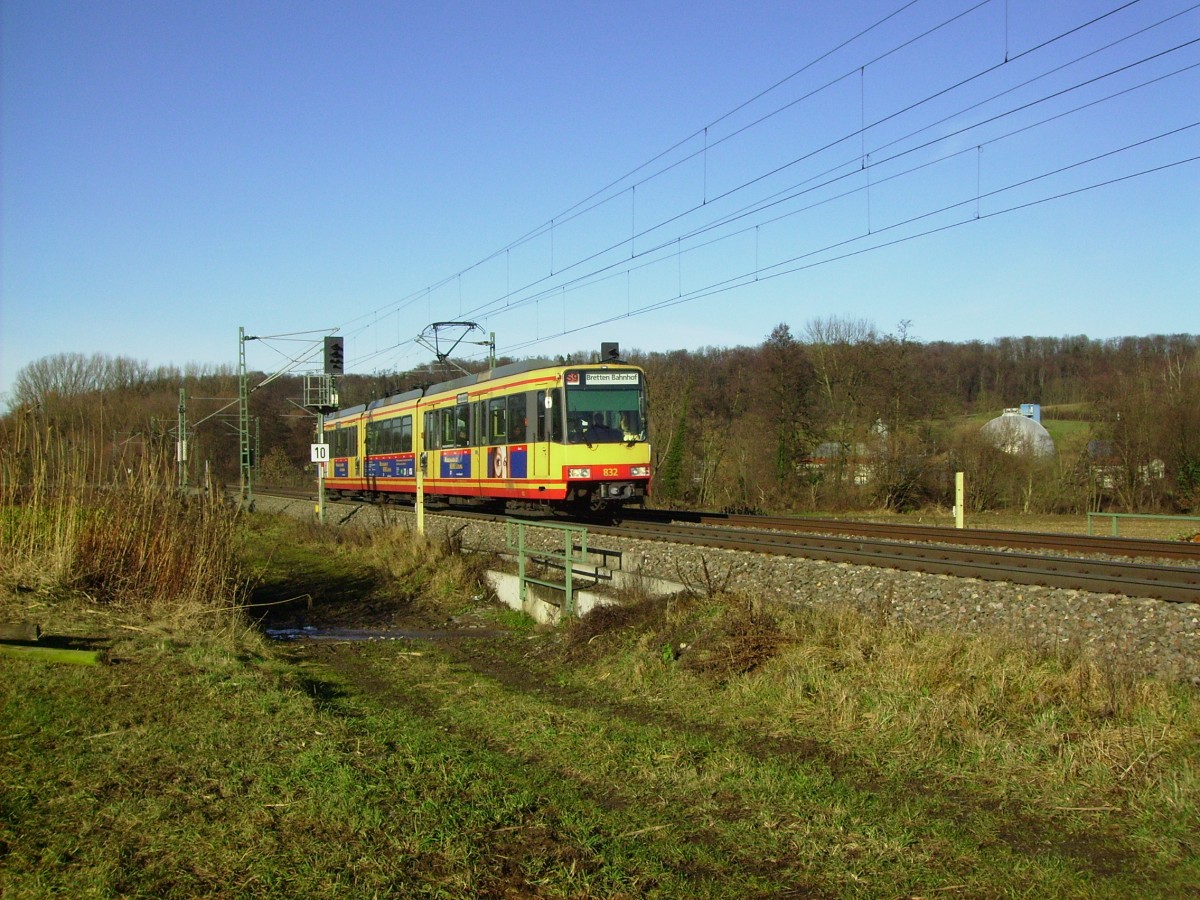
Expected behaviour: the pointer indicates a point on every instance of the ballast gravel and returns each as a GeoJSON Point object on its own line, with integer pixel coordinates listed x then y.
{"type": "Point", "coordinates": [1144, 636]}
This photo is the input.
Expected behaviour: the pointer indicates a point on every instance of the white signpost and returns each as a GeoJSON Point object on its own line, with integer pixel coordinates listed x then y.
{"type": "Point", "coordinates": [320, 455]}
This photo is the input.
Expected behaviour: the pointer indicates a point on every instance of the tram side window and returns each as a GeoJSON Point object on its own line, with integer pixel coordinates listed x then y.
{"type": "Point", "coordinates": [497, 432]}
{"type": "Point", "coordinates": [462, 425]}
{"type": "Point", "coordinates": [455, 426]}
{"type": "Point", "coordinates": [549, 419]}
{"type": "Point", "coordinates": [431, 431]}
{"type": "Point", "coordinates": [517, 418]}
{"type": "Point", "coordinates": [380, 437]}
{"type": "Point", "coordinates": [345, 441]}
{"type": "Point", "coordinates": [405, 435]}
{"type": "Point", "coordinates": [555, 414]}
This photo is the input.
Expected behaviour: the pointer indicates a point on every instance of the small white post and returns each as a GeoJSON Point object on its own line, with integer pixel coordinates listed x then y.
{"type": "Point", "coordinates": [958, 499]}
{"type": "Point", "coordinates": [321, 471]}
{"type": "Point", "coordinates": [420, 473]}
{"type": "Point", "coordinates": [419, 457]}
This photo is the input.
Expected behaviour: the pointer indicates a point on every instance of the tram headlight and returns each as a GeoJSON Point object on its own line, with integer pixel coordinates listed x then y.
{"type": "Point", "coordinates": [583, 472]}
{"type": "Point", "coordinates": [639, 471]}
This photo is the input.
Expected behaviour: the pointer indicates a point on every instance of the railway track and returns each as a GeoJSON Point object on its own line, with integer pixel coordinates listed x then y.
{"type": "Point", "coordinates": [1180, 584]}
{"type": "Point", "coordinates": [929, 549]}
{"type": "Point", "coordinates": [1134, 548]}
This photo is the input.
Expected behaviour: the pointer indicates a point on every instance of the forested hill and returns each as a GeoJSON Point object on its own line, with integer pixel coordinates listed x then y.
{"type": "Point", "coordinates": [841, 417]}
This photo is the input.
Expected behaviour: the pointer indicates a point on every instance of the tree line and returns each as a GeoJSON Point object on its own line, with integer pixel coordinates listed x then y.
{"type": "Point", "coordinates": [836, 417]}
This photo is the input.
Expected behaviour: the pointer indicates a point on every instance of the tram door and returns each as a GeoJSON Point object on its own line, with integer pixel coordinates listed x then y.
{"type": "Point", "coordinates": [549, 429]}
{"type": "Point", "coordinates": [540, 464]}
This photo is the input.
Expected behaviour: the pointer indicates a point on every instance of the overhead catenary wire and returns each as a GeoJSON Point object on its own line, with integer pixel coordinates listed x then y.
{"type": "Point", "coordinates": [569, 211]}
{"type": "Point", "coordinates": [541, 229]}
{"type": "Point", "coordinates": [567, 273]}
{"type": "Point", "coordinates": [492, 305]}
{"type": "Point", "coordinates": [672, 244]}
{"type": "Point", "coordinates": [740, 281]}
{"type": "Point", "coordinates": [581, 206]}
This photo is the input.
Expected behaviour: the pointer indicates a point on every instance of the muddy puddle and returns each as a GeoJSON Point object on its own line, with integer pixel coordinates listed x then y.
{"type": "Point", "coordinates": [313, 633]}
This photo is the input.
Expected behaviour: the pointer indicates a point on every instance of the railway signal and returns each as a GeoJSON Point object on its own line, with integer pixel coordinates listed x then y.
{"type": "Point", "coordinates": [334, 356]}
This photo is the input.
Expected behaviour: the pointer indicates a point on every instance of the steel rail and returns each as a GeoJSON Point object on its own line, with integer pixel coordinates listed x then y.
{"type": "Point", "coordinates": [986, 537]}
{"type": "Point", "coordinates": [1032, 540]}
{"type": "Point", "coordinates": [1175, 583]}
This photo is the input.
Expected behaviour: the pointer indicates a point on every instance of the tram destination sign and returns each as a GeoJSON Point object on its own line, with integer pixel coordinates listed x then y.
{"type": "Point", "coordinates": [599, 378]}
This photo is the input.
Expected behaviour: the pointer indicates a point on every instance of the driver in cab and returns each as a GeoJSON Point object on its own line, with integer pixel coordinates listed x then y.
{"type": "Point", "coordinates": [600, 431]}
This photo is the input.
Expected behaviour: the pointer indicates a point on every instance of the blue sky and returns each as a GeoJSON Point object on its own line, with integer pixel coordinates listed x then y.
{"type": "Point", "coordinates": [685, 174]}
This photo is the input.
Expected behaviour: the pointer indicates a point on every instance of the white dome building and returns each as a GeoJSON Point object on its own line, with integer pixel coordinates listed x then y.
{"type": "Point", "coordinates": [1015, 433]}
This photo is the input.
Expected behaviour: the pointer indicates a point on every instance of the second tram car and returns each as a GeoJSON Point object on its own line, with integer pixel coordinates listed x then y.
{"type": "Point", "coordinates": [532, 434]}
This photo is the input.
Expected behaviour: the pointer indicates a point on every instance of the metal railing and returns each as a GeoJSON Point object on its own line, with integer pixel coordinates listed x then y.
{"type": "Point", "coordinates": [574, 550]}
{"type": "Point", "coordinates": [1117, 516]}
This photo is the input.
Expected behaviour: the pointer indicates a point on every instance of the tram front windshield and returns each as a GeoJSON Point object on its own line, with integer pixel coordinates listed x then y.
{"type": "Point", "coordinates": [605, 408]}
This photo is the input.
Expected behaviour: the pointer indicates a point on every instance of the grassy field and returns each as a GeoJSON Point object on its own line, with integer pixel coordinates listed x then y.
{"type": "Point", "coordinates": [701, 746]}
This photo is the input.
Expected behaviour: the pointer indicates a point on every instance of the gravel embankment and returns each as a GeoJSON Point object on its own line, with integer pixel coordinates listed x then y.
{"type": "Point", "coordinates": [1144, 635]}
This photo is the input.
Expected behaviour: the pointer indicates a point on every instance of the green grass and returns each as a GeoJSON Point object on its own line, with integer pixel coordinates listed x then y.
{"type": "Point", "coordinates": [1062, 430]}
{"type": "Point", "coordinates": [697, 747]}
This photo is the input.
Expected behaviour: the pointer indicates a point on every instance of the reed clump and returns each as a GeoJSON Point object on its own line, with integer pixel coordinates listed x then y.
{"type": "Point", "coordinates": [75, 523]}
{"type": "Point", "coordinates": [431, 568]}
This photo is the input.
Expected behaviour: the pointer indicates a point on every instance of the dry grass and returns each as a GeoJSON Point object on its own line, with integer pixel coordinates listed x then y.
{"type": "Point", "coordinates": [977, 709]}
{"type": "Point", "coordinates": [125, 540]}
{"type": "Point", "coordinates": [432, 565]}
{"type": "Point", "coordinates": [428, 570]}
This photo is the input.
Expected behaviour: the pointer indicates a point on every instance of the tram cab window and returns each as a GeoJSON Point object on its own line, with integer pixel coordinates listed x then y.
{"type": "Point", "coordinates": [605, 415]}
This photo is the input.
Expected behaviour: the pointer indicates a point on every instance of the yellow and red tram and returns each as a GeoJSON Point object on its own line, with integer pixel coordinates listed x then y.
{"type": "Point", "coordinates": [529, 434]}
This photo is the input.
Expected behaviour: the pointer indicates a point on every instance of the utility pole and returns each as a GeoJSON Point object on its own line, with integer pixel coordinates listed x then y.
{"type": "Point", "coordinates": [246, 479]}
{"type": "Point", "coordinates": [181, 444]}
